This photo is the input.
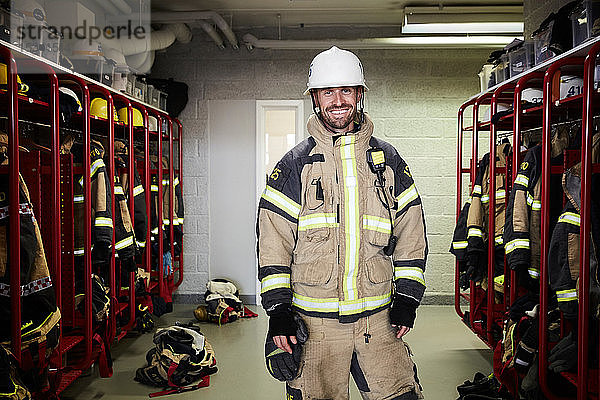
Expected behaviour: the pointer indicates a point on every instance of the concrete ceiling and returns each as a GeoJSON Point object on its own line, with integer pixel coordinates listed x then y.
{"type": "Point", "coordinates": [248, 14]}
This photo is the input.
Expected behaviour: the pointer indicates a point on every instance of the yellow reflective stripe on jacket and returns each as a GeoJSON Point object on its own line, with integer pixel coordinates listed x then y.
{"type": "Point", "coordinates": [119, 190]}
{"type": "Point", "coordinates": [351, 216]}
{"type": "Point", "coordinates": [333, 305]}
{"type": "Point", "coordinates": [460, 245]}
{"type": "Point", "coordinates": [141, 244]}
{"type": "Point", "coordinates": [534, 273]}
{"type": "Point", "coordinates": [500, 194]}
{"type": "Point", "coordinates": [534, 204]}
{"type": "Point", "coordinates": [499, 239]}
{"type": "Point", "coordinates": [78, 199]}
{"type": "Point", "coordinates": [407, 196]}
{"type": "Point", "coordinates": [522, 180]}
{"type": "Point", "coordinates": [103, 221]}
{"type": "Point", "coordinates": [281, 201]}
{"type": "Point", "coordinates": [317, 220]}
{"type": "Point", "coordinates": [128, 241]}
{"type": "Point", "coordinates": [475, 232]}
{"type": "Point", "coordinates": [176, 181]}
{"type": "Point", "coordinates": [154, 188]}
{"type": "Point", "coordinates": [93, 169]}
{"type": "Point", "coordinates": [275, 281]}
{"type": "Point", "coordinates": [516, 244]}
{"type": "Point", "coordinates": [180, 220]}
{"type": "Point", "coordinates": [154, 231]}
{"type": "Point", "coordinates": [413, 273]}
{"type": "Point", "coordinates": [139, 189]}
{"type": "Point", "coordinates": [378, 224]}
{"type": "Point", "coordinates": [566, 295]}
{"type": "Point", "coordinates": [477, 189]}
{"type": "Point", "coordinates": [570, 218]}
{"type": "Point", "coordinates": [78, 251]}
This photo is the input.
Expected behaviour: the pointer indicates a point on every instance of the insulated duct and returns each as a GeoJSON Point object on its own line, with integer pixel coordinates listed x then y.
{"type": "Point", "coordinates": [198, 16]}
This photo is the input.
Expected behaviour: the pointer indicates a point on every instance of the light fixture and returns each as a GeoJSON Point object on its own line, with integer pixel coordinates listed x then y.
{"type": "Point", "coordinates": [463, 20]}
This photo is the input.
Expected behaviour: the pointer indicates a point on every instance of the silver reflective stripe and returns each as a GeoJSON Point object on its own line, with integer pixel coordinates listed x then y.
{"type": "Point", "coordinates": [522, 180]}
{"type": "Point", "coordinates": [570, 218]}
{"type": "Point", "coordinates": [378, 224]}
{"type": "Point", "coordinates": [281, 201]}
{"type": "Point", "coordinates": [119, 190]}
{"type": "Point", "coordinates": [407, 196]}
{"type": "Point", "coordinates": [413, 273]}
{"type": "Point", "coordinates": [141, 244]}
{"type": "Point", "coordinates": [154, 188]}
{"type": "Point", "coordinates": [317, 220]}
{"type": "Point", "coordinates": [103, 221]}
{"type": "Point", "coordinates": [475, 232]}
{"type": "Point", "coordinates": [566, 295]}
{"type": "Point", "coordinates": [477, 189]}
{"type": "Point", "coordinates": [351, 216]}
{"type": "Point", "coordinates": [139, 189]}
{"type": "Point", "coordinates": [460, 245]}
{"type": "Point", "coordinates": [78, 252]}
{"type": "Point", "coordinates": [78, 199]}
{"type": "Point", "coordinates": [275, 281]}
{"type": "Point", "coordinates": [124, 243]}
{"type": "Point", "coordinates": [365, 304]}
{"type": "Point", "coordinates": [534, 273]}
{"type": "Point", "coordinates": [516, 244]}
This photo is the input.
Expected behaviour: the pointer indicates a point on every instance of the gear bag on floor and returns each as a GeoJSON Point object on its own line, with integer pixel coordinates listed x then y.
{"type": "Point", "coordinates": [181, 357]}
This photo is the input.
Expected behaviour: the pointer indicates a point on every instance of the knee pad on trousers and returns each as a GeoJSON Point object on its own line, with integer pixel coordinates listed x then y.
{"type": "Point", "coordinates": [406, 396]}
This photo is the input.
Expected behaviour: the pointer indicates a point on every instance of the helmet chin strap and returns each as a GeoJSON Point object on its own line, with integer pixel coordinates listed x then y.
{"type": "Point", "coordinates": [360, 113]}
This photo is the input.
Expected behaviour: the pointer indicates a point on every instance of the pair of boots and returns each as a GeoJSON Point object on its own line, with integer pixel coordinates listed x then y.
{"type": "Point", "coordinates": [481, 388]}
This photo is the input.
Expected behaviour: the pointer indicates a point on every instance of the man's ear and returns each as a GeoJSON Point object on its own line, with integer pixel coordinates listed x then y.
{"type": "Point", "coordinates": [359, 93]}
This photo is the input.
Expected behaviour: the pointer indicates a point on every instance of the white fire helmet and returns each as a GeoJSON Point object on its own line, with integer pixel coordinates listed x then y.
{"type": "Point", "coordinates": [335, 68]}
{"type": "Point", "coordinates": [499, 107]}
{"type": "Point", "coordinates": [152, 123]}
{"type": "Point", "coordinates": [532, 95]}
{"type": "Point", "coordinates": [570, 85]}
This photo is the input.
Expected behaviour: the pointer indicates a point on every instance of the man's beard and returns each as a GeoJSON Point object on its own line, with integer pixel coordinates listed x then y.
{"type": "Point", "coordinates": [335, 123]}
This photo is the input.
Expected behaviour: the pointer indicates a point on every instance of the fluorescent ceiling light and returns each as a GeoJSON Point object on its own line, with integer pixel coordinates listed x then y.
{"type": "Point", "coordinates": [468, 27]}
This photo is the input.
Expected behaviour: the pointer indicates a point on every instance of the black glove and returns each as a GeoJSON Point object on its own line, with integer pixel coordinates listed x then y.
{"type": "Point", "coordinates": [101, 253]}
{"type": "Point", "coordinates": [282, 322]}
{"type": "Point", "coordinates": [563, 356]}
{"type": "Point", "coordinates": [282, 365]}
{"type": "Point", "coordinates": [403, 311]}
{"type": "Point", "coordinates": [527, 347]}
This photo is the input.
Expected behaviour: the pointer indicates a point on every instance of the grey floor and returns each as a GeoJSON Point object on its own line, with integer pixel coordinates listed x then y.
{"type": "Point", "coordinates": [446, 354]}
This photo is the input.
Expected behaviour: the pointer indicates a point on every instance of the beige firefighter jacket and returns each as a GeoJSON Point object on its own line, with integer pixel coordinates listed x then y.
{"type": "Point", "coordinates": [322, 227]}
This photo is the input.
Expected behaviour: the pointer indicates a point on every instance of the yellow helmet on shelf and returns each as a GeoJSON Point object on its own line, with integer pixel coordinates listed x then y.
{"type": "Point", "coordinates": [99, 108]}
{"type": "Point", "coordinates": [23, 88]}
{"type": "Point", "coordinates": [138, 120]}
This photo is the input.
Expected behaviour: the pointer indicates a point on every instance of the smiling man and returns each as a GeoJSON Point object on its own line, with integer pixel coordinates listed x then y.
{"type": "Point", "coordinates": [341, 250]}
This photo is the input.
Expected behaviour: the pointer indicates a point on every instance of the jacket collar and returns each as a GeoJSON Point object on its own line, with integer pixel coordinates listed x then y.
{"type": "Point", "coordinates": [324, 137]}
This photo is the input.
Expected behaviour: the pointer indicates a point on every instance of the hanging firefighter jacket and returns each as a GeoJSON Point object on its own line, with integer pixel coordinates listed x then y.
{"type": "Point", "coordinates": [523, 212]}
{"type": "Point", "coordinates": [39, 313]}
{"type": "Point", "coordinates": [166, 209]}
{"type": "Point", "coordinates": [102, 226]}
{"type": "Point", "coordinates": [478, 215]}
{"type": "Point", "coordinates": [564, 249]}
{"type": "Point", "coordinates": [124, 237]}
{"type": "Point", "coordinates": [178, 228]}
{"type": "Point", "coordinates": [140, 225]}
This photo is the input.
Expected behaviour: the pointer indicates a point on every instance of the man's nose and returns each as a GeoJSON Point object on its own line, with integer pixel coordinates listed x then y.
{"type": "Point", "coordinates": [337, 98]}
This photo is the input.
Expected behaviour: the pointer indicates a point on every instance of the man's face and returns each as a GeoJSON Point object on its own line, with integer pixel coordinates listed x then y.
{"type": "Point", "coordinates": [338, 107]}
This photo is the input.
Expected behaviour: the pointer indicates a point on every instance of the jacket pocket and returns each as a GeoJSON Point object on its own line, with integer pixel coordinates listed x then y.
{"type": "Point", "coordinates": [318, 216]}
{"type": "Point", "coordinates": [379, 270]}
{"type": "Point", "coordinates": [376, 222]}
{"type": "Point", "coordinates": [312, 274]}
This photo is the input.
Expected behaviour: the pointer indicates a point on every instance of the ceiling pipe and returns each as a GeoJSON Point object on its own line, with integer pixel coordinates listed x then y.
{"type": "Point", "coordinates": [405, 42]}
{"type": "Point", "coordinates": [210, 31]}
{"type": "Point", "coordinates": [189, 17]}
{"type": "Point", "coordinates": [108, 7]}
{"type": "Point", "coordinates": [122, 6]}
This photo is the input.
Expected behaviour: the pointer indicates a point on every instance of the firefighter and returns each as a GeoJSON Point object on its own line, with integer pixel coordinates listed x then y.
{"type": "Point", "coordinates": [341, 250]}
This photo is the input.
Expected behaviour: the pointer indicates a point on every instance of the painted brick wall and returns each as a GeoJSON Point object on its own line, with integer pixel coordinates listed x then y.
{"type": "Point", "coordinates": [413, 100]}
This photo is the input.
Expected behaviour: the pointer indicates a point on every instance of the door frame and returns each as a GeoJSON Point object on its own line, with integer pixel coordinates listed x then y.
{"type": "Point", "coordinates": [262, 106]}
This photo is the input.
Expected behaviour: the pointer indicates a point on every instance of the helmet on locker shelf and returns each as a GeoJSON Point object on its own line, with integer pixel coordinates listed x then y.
{"type": "Point", "coordinates": [99, 108]}
{"type": "Point", "coordinates": [532, 95]}
{"type": "Point", "coordinates": [68, 92]}
{"type": "Point", "coordinates": [23, 88]}
{"type": "Point", "coordinates": [335, 68]}
{"type": "Point", "coordinates": [570, 85]}
{"type": "Point", "coordinates": [32, 11]}
{"type": "Point", "coordinates": [152, 123]}
{"type": "Point", "coordinates": [138, 120]}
